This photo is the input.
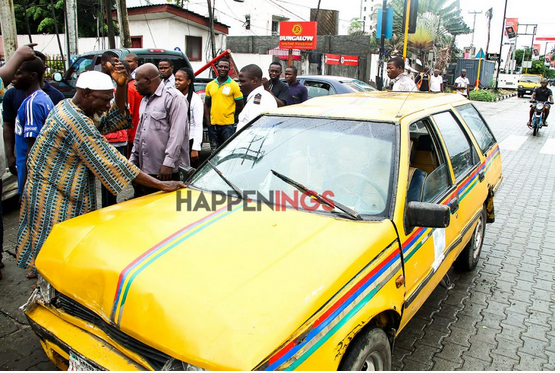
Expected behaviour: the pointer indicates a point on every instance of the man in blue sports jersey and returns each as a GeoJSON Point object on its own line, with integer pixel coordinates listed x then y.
{"type": "Point", "coordinates": [32, 113]}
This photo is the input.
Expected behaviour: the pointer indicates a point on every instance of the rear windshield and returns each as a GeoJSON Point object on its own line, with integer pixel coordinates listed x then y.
{"type": "Point", "coordinates": [178, 61]}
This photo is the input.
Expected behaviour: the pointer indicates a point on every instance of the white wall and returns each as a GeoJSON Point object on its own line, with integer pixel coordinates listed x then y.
{"type": "Point", "coordinates": [48, 44]}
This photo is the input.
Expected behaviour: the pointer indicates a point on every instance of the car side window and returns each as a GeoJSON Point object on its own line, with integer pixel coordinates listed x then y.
{"type": "Point", "coordinates": [316, 89]}
{"type": "Point", "coordinates": [478, 127]}
{"type": "Point", "coordinates": [79, 66]}
{"type": "Point", "coordinates": [461, 152]}
{"type": "Point", "coordinates": [428, 171]}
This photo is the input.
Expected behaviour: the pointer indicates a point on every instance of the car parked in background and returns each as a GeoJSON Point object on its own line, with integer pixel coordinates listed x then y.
{"type": "Point", "coordinates": [307, 241]}
{"type": "Point", "coordinates": [527, 84]}
{"type": "Point", "coordinates": [66, 83]}
{"type": "Point", "coordinates": [323, 85]}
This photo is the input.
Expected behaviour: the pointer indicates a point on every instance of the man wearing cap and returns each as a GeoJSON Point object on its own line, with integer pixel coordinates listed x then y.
{"type": "Point", "coordinates": [69, 153]}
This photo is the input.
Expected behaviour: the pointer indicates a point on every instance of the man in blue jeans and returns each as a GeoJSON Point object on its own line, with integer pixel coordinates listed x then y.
{"type": "Point", "coordinates": [224, 101]}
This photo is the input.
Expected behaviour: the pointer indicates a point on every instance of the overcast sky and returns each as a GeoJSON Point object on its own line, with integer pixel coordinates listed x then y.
{"type": "Point", "coordinates": [540, 12]}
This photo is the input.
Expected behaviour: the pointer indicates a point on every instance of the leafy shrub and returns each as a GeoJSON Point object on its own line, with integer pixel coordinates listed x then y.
{"type": "Point", "coordinates": [483, 95]}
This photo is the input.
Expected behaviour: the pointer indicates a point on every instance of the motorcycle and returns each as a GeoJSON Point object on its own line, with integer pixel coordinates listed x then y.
{"type": "Point", "coordinates": [538, 115]}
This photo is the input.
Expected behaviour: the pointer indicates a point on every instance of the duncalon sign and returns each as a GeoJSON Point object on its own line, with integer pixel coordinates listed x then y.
{"type": "Point", "coordinates": [298, 35]}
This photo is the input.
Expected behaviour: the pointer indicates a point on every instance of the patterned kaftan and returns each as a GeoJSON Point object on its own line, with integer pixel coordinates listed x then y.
{"type": "Point", "coordinates": [69, 153]}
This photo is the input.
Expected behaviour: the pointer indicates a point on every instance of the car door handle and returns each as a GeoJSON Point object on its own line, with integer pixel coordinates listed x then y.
{"type": "Point", "coordinates": [454, 205]}
{"type": "Point", "coordinates": [481, 175]}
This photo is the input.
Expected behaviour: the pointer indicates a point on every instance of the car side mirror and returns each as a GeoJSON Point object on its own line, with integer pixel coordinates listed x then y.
{"type": "Point", "coordinates": [424, 214]}
{"type": "Point", "coordinates": [57, 77]}
{"type": "Point", "coordinates": [186, 172]}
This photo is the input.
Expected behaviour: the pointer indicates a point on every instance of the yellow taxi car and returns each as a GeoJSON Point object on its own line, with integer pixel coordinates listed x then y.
{"type": "Point", "coordinates": [308, 241]}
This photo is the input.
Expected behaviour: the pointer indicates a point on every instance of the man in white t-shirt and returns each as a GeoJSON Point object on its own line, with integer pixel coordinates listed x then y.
{"type": "Point", "coordinates": [462, 84]}
{"type": "Point", "coordinates": [258, 98]}
{"type": "Point", "coordinates": [436, 83]}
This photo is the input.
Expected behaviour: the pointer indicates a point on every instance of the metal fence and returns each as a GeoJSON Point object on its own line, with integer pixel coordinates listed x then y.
{"type": "Point", "coordinates": [55, 64]}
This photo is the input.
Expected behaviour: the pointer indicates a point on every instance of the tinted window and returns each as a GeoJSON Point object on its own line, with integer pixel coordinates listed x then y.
{"type": "Point", "coordinates": [435, 184]}
{"type": "Point", "coordinates": [461, 153]}
{"type": "Point", "coordinates": [478, 127]}
{"type": "Point", "coordinates": [316, 89]}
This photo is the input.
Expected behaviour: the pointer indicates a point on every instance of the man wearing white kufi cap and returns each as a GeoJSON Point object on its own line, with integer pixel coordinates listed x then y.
{"type": "Point", "coordinates": [70, 152]}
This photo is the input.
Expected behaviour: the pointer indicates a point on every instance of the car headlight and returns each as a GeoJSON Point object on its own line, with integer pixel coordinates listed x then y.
{"type": "Point", "coordinates": [46, 291]}
{"type": "Point", "coordinates": [174, 365]}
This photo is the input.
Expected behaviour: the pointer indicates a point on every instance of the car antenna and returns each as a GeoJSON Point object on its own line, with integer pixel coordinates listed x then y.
{"type": "Point", "coordinates": [399, 115]}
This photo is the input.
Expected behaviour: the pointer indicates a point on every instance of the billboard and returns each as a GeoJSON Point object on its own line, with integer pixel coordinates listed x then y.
{"type": "Point", "coordinates": [298, 35]}
{"type": "Point", "coordinates": [511, 25]}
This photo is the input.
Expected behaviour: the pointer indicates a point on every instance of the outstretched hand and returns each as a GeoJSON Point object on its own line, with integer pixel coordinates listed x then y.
{"type": "Point", "coordinates": [170, 186]}
{"type": "Point", "coordinates": [117, 71]}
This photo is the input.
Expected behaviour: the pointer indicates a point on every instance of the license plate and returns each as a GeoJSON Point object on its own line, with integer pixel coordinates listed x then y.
{"type": "Point", "coordinates": [77, 363]}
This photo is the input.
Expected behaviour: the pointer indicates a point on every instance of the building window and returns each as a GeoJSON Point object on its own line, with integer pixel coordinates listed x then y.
{"type": "Point", "coordinates": [137, 41]}
{"type": "Point", "coordinates": [275, 28]}
{"type": "Point", "coordinates": [194, 48]}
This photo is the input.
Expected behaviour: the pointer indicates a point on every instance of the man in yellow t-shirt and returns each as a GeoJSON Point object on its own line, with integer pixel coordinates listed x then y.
{"type": "Point", "coordinates": [223, 101]}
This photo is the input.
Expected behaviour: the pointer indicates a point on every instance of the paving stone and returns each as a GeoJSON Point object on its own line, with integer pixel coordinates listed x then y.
{"type": "Point", "coordinates": [434, 337]}
{"type": "Point", "coordinates": [445, 365]}
{"type": "Point", "coordinates": [532, 346]}
{"type": "Point", "coordinates": [500, 362]}
{"type": "Point", "coordinates": [536, 332]}
{"type": "Point", "coordinates": [518, 306]}
{"type": "Point", "coordinates": [423, 353]}
{"type": "Point", "coordinates": [474, 364]}
{"type": "Point", "coordinates": [411, 365]}
{"type": "Point", "coordinates": [480, 350]}
{"type": "Point", "coordinates": [530, 362]}
{"type": "Point", "coordinates": [451, 352]}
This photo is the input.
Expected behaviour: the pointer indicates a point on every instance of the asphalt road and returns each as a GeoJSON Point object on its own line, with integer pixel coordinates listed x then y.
{"type": "Point", "coordinates": [499, 317]}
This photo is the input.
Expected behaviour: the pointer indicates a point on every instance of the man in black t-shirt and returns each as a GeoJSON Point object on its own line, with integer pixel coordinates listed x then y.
{"type": "Point", "coordinates": [274, 85]}
{"type": "Point", "coordinates": [541, 94]}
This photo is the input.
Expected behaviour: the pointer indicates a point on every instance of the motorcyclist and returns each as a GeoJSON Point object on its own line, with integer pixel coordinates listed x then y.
{"type": "Point", "coordinates": [541, 94]}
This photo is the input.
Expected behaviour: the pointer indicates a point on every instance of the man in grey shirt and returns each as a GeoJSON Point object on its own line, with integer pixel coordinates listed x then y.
{"type": "Point", "coordinates": [162, 138]}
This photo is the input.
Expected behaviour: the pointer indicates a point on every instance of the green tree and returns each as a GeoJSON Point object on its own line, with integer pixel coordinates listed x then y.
{"type": "Point", "coordinates": [356, 26]}
{"type": "Point", "coordinates": [40, 17]}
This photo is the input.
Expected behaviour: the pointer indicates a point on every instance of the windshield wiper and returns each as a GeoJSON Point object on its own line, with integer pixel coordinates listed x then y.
{"type": "Point", "coordinates": [331, 203]}
{"type": "Point", "coordinates": [237, 191]}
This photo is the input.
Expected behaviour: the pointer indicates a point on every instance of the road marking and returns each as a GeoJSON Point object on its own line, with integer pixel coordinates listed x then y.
{"type": "Point", "coordinates": [513, 142]}
{"type": "Point", "coordinates": [548, 147]}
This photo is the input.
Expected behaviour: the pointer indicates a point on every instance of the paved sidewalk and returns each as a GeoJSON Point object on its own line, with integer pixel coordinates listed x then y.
{"type": "Point", "coordinates": [500, 316]}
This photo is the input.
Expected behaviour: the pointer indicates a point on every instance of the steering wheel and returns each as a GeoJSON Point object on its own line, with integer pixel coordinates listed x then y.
{"type": "Point", "coordinates": [359, 193]}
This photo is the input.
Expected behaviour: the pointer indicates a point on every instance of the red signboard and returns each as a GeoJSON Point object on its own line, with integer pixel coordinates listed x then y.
{"type": "Point", "coordinates": [331, 59]}
{"type": "Point", "coordinates": [349, 60]}
{"type": "Point", "coordinates": [545, 38]}
{"type": "Point", "coordinates": [513, 22]}
{"type": "Point", "coordinates": [298, 35]}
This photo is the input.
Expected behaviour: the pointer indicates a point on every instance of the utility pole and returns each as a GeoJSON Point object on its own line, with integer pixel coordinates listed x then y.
{"type": "Point", "coordinates": [9, 31]}
{"type": "Point", "coordinates": [110, 30]}
{"type": "Point", "coordinates": [122, 14]}
{"type": "Point", "coordinates": [212, 36]}
{"type": "Point", "coordinates": [379, 79]}
{"type": "Point", "coordinates": [71, 29]}
{"type": "Point", "coordinates": [474, 25]}
{"type": "Point", "coordinates": [501, 44]}
{"type": "Point", "coordinates": [489, 15]}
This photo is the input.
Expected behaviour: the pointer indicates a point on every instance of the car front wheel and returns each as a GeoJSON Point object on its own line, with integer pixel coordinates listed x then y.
{"type": "Point", "coordinates": [370, 350]}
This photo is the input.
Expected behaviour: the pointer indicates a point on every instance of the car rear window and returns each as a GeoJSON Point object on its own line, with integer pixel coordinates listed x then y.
{"type": "Point", "coordinates": [178, 61]}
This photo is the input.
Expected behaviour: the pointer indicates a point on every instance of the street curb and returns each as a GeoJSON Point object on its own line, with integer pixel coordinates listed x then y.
{"type": "Point", "coordinates": [503, 97]}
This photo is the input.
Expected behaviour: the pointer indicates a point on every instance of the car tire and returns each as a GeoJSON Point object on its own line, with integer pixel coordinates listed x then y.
{"type": "Point", "coordinates": [370, 350]}
{"type": "Point", "coordinates": [468, 259]}
{"type": "Point", "coordinates": [521, 94]}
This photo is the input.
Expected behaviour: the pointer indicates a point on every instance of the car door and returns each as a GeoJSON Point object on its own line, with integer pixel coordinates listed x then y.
{"type": "Point", "coordinates": [468, 177]}
{"type": "Point", "coordinates": [487, 144]}
{"type": "Point", "coordinates": [424, 249]}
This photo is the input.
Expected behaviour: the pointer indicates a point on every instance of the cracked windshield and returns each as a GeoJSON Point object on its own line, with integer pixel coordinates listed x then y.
{"type": "Point", "coordinates": [351, 162]}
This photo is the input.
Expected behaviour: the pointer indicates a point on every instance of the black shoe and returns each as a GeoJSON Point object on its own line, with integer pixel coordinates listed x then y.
{"type": "Point", "coordinates": [545, 124]}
